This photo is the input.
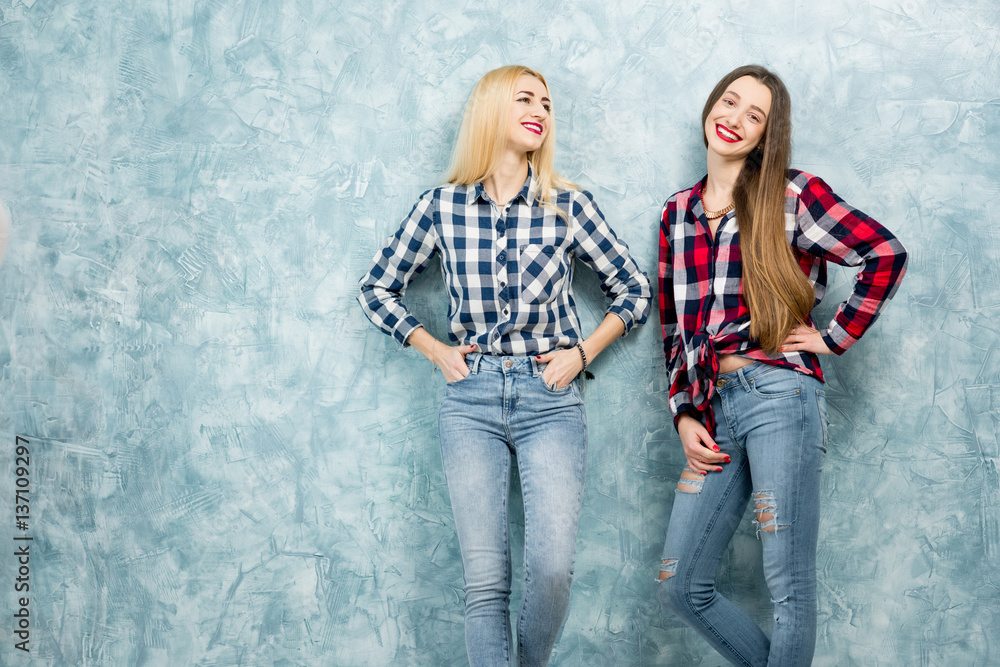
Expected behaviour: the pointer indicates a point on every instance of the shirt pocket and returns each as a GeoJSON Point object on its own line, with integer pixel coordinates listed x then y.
{"type": "Point", "coordinates": [543, 272]}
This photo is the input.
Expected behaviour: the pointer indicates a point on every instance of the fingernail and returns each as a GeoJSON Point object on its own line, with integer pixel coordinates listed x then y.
{"type": "Point", "coordinates": [728, 459]}
{"type": "Point", "coordinates": [718, 470]}
{"type": "Point", "coordinates": [703, 472]}
{"type": "Point", "coordinates": [715, 447]}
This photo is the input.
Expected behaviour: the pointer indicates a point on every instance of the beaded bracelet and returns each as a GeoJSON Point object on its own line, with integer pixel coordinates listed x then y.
{"type": "Point", "coordinates": [585, 373]}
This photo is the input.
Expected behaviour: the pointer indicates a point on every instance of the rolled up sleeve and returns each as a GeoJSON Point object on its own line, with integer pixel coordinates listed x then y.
{"type": "Point", "coordinates": [596, 245]}
{"type": "Point", "coordinates": [404, 256]}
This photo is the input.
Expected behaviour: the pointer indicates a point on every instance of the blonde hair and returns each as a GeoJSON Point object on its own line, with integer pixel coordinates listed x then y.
{"type": "Point", "coordinates": [483, 136]}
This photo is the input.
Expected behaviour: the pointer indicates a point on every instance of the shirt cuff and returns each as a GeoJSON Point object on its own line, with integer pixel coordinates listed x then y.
{"type": "Point", "coordinates": [625, 317]}
{"type": "Point", "coordinates": [837, 338]}
{"type": "Point", "coordinates": [628, 316]}
{"type": "Point", "coordinates": [691, 412]}
{"type": "Point", "coordinates": [405, 329]}
{"type": "Point", "coordinates": [680, 404]}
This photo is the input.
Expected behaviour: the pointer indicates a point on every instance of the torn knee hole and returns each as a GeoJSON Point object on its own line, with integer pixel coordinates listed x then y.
{"type": "Point", "coordinates": [766, 512]}
{"type": "Point", "coordinates": [690, 482]}
{"type": "Point", "coordinates": [765, 517]}
{"type": "Point", "coordinates": [668, 568]}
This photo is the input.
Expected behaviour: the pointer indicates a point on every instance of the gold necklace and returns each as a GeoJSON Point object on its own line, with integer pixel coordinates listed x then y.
{"type": "Point", "coordinates": [721, 212]}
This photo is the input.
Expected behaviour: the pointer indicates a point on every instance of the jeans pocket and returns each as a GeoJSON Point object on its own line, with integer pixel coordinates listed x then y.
{"type": "Point", "coordinates": [543, 270]}
{"type": "Point", "coordinates": [465, 379]}
{"type": "Point", "coordinates": [549, 389]}
{"type": "Point", "coordinates": [777, 383]}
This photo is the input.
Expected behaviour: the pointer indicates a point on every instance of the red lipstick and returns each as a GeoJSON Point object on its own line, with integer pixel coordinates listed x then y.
{"type": "Point", "coordinates": [726, 134]}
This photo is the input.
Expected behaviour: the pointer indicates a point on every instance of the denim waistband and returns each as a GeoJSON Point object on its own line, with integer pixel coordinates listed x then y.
{"type": "Point", "coordinates": [503, 364]}
{"type": "Point", "coordinates": [743, 376]}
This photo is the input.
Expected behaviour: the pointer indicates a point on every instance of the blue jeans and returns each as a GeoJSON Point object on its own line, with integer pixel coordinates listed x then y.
{"type": "Point", "coordinates": [772, 423]}
{"type": "Point", "coordinates": [501, 409]}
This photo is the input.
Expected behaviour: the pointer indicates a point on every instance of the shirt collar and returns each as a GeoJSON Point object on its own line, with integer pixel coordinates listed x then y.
{"type": "Point", "coordinates": [696, 193]}
{"type": "Point", "coordinates": [528, 192]}
{"type": "Point", "coordinates": [698, 188]}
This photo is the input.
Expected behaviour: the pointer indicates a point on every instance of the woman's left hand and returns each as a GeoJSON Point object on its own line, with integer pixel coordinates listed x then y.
{"type": "Point", "coordinates": [563, 366]}
{"type": "Point", "coordinates": [803, 338]}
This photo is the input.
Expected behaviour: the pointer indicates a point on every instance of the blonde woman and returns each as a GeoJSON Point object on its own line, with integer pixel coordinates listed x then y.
{"type": "Point", "coordinates": [508, 228]}
{"type": "Point", "coordinates": [743, 258]}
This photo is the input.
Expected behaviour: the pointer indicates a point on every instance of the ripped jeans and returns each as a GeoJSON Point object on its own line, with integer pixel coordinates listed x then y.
{"type": "Point", "coordinates": [772, 423]}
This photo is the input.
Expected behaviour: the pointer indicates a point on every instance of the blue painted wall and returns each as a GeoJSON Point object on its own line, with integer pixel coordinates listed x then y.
{"type": "Point", "coordinates": [230, 466]}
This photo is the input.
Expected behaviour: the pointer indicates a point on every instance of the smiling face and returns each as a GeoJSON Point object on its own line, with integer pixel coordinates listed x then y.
{"type": "Point", "coordinates": [529, 115]}
{"type": "Point", "coordinates": [737, 121]}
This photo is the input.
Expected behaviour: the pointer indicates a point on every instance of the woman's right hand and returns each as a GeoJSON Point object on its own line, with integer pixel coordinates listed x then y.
{"type": "Point", "coordinates": [702, 454]}
{"type": "Point", "coordinates": [451, 360]}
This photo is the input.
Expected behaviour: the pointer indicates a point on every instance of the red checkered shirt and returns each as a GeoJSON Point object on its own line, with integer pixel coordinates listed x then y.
{"type": "Point", "coordinates": [702, 307]}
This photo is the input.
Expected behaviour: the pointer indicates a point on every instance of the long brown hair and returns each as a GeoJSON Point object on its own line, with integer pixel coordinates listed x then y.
{"type": "Point", "coordinates": [483, 136]}
{"type": "Point", "coordinates": [777, 292]}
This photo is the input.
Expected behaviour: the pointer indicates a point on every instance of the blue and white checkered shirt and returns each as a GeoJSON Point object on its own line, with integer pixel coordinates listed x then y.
{"type": "Point", "coordinates": [508, 271]}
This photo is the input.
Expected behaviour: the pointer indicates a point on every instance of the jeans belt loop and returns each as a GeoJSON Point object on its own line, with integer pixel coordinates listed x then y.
{"type": "Point", "coordinates": [474, 366]}
{"type": "Point", "coordinates": [743, 380]}
{"type": "Point", "coordinates": [536, 367]}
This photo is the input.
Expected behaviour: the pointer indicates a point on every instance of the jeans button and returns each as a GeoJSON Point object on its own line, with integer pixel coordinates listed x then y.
{"type": "Point", "coordinates": [508, 363]}
{"type": "Point", "coordinates": [722, 383]}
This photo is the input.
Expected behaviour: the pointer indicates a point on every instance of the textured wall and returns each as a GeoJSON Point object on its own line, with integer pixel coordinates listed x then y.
{"type": "Point", "coordinates": [230, 466]}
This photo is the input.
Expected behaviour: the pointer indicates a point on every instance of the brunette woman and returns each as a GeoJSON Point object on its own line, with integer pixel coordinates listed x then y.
{"type": "Point", "coordinates": [508, 228]}
{"type": "Point", "coordinates": [743, 258]}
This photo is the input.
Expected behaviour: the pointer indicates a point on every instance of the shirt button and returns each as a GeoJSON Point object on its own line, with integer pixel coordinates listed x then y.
{"type": "Point", "coordinates": [502, 257]}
